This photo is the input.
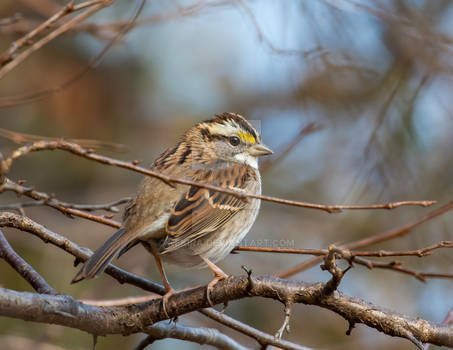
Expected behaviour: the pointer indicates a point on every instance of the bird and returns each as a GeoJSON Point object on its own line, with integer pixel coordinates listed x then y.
{"type": "Point", "coordinates": [186, 225]}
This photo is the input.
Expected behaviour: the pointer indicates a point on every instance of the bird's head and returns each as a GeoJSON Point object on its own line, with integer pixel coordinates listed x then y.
{"type": "Point", "coordinates": [231, 137]}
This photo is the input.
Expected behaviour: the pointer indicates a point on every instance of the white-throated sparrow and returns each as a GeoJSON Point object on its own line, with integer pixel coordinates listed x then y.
{"type": "Point", "coordinates": [187, 225]}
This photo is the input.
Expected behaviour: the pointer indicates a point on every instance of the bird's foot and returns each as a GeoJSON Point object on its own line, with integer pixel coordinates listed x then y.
{"type": "Point", "coordinates": [218, 277]}
{"type": "Point", "coordinates": [169, 292]}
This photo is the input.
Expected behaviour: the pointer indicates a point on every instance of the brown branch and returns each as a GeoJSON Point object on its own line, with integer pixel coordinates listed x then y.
{"type": "Point", "coordinates": [8, 254]}
{"type": "Point", "coordinates": [8, 67]}
{"type": "Point", "coordinates": [356, 257]}
{"type": "Point", "coordinates": [378, 238]}
{"type": "Point", "coordinates": [111, 207]}
{"type": "Point", "coordinates": [398, 267]}
{"type": "Point", "coordinates": [171, 180]}
{"type": "Point", "coordinates": [26, 39]}
{"type": "Point", "coordinates": [23, 138]}
{"type": "Point", "coordinates": [66, 311]}
{"type": "Point", "coordinates": [45, 199]}
{"type": "Point", "coordinates": [346, 253]}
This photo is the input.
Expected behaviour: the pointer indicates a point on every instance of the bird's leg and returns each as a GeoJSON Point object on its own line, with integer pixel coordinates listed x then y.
{"type": "Point", "coordinates": [219, 275]}
{"type": "Point", "coordinates": [169, 291]}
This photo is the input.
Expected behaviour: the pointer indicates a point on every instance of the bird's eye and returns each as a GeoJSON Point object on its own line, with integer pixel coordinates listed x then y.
{"type": "Point", "coordinates": [234, 140]}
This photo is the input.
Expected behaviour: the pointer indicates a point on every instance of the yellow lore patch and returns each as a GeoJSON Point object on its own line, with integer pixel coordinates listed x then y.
{"type": "Point", "coordinates": [246, 136]}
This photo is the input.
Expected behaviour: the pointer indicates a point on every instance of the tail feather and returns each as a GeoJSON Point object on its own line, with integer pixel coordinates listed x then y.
{"type": "Point", "coordinates": [97, 263]}
{"type": "Point", "coordinates": [128, 246]}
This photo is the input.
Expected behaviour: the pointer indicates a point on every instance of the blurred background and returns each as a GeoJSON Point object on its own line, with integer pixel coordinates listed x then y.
{"type": "Point", "coordinates": [376, 75]}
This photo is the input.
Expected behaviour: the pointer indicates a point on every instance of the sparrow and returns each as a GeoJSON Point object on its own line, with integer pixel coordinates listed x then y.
{"type": "Point", "coordinates": [192, 226]}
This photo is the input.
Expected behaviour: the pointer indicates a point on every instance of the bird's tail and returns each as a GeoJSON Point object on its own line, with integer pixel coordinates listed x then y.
{"type": "Point", "coordinates": [97, 263]}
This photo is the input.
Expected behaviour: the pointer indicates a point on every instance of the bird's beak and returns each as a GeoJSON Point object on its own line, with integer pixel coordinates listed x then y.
{"type": "Point", "coordinates": [259, 150]}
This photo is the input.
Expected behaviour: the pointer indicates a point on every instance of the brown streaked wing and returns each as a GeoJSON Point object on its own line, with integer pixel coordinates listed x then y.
{"type": "Point", "coordinates": [201, 211]}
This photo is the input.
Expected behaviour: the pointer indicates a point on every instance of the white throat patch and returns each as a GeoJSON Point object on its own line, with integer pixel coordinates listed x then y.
{"type": "Point", "coordinates": [247, 159]}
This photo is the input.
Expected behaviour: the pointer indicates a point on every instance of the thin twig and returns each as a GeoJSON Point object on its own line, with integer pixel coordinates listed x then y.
{"type": "Point", "coordinates": [346, 253]}
{"type": "Point", "coordinates": [398, 267]}
{"type": "Point", "coordinates": [26, 39]}
{"type": "Point", "coordinates": [66, 208]}
{"type": "Point", "coordinates": [23, 138]}
{"type": "Point", "coordinates": [378, 238]}
{"type": "Point", "coordinates": [356, 257]}
{"type": "Point", "coordinates": [42, 198]}
{"type": "Point", "coordinates": [8, 67]}
{"type": "Point", "coordinates": [170, 180]}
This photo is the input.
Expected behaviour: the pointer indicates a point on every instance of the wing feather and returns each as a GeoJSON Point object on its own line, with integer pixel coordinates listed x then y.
{"type": "Point", "coordinates": [201, 211]}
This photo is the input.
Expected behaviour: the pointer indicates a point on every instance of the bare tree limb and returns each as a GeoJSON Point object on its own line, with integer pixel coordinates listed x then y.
{"type": "Point", "coordinates": [8, 254]}
{"type": "Point", "coordinates": [65, 310]}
